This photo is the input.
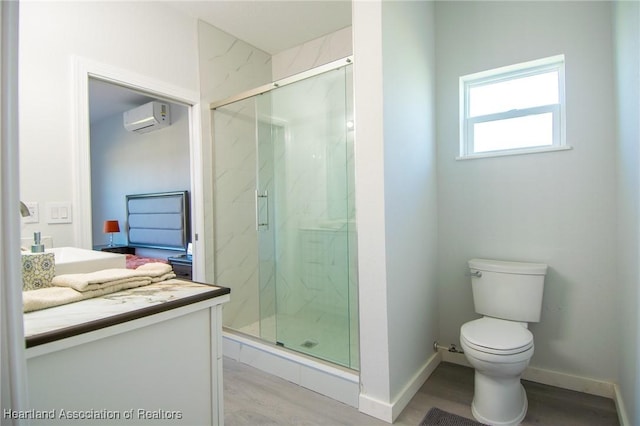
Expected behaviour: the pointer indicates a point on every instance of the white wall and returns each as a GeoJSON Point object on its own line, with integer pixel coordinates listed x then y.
{"type": "Point", "coordinates": [558, 208]}
{"type": "Point", "coordinates": [410, 185]}
{"type": "Point", "coordinates": [627, 44]}
{"type": "Point", "coordinates": [395, 198]}
{"type": "Point", "coordinates": [128, 35]}
{"type": "Point", "coordinates": [375, 392]}
{"type": "Point", "coordinates": [124, 163]}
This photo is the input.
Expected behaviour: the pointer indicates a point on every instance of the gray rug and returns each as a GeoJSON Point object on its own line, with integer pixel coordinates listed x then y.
{"type": "Point", "coordinates": [437, 417]}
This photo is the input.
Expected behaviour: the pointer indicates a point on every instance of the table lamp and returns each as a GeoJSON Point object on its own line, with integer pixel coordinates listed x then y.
{"type": "Point", "coordinates": [111, 226]}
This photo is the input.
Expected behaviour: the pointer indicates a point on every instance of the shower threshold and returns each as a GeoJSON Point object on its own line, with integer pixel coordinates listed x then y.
{"type": "Point", "coordinates": [339, 383]}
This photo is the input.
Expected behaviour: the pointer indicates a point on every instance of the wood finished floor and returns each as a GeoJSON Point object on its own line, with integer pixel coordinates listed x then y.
{"type": "Point", "coordinates": [252, 397]}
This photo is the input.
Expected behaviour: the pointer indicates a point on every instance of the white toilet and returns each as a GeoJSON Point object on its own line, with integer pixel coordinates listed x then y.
{"type": "Point", "coordinates": [499, 345]}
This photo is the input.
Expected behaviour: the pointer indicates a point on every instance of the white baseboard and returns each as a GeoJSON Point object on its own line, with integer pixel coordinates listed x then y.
{"type": "Point", "coordinates": [414, 385]}
{"type": "Point", "coordinates": [388, 412]}
{"type": "Point", "coordinates": [569, 381]}
{"type": "Point", "coordinates": [453, 357]}
{"type": "Point", "coordinates": [547, 377]}
{"type": "Point", "coordinates": [623, 418]}
{"type": "Point", "coordinates": [375, 408]}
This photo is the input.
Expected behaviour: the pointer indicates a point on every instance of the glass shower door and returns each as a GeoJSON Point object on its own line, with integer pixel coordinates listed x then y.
{"type": "Point", "coordinates": [284, 234]}
{"type": "Point", "coordinates": [310, 215]}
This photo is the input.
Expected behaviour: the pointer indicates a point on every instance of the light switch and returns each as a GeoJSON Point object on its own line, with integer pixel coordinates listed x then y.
{"type": "Point", "coordinates": [59, 212]}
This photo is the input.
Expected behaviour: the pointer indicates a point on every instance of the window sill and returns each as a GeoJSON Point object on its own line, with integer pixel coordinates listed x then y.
{"type": "Point", "coordinates": [513, 152]}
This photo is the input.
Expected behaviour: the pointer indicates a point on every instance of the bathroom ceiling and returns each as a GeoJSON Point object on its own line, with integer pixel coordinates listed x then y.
{"type": "Point", "coordinates": [272, 26]}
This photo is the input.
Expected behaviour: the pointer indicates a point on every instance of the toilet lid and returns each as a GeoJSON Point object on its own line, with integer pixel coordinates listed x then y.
{"type": "Point", "coordinates": [496, 336]}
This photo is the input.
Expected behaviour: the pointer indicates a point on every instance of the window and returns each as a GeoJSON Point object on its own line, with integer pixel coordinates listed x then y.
{"type": "Point", "coordinates": [513, 110]}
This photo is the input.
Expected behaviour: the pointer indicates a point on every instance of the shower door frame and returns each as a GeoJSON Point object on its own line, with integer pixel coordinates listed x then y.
{"type": "Point", "coordinates": [334, 65]}
{"type": "Point", "coordinates": [265, 89]}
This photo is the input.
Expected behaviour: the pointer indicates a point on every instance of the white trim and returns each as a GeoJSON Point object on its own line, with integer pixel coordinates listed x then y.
{"type": "Point", "coordinates": [414, 385]}
{"type": "Point", "coordinates": [534, 150]}
{"type": "Point", "coordinates": [569, 381]}
{"type": "Point", "coordinates": [389, 412]}
{"type": "Point", "coordinates": [197, 194]}
{"type": "Point", "coordinates": [375, 408]}
{"type": "Point", "coordinates": [623, 417]}
{"type": "Point", "coordinates": [453, 357]}
{"type": "Point", "coordinates": [83, 69]}
{"type": "Point", "coordinates": [217, 385]}
{"type": "Point", "coordinates": [547, 377]}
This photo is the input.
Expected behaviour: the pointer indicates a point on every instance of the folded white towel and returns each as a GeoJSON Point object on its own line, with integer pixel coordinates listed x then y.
{"type": "Point", "coordinates": [109, 277]}
{"type": "Point", "coordinates": [154, 269]}
{"type": "Point", "coordinates": [81, 282]}
{"type": "Point", "coordinates": [163, 277]}
{"type": "Point", "coordinates": [41, 298]}
{"type": "Point", "coordinates": [55, 296]}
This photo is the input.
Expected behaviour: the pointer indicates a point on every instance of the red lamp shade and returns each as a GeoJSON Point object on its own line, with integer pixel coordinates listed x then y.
{"type": "Point", "coordinates": [111, 226]}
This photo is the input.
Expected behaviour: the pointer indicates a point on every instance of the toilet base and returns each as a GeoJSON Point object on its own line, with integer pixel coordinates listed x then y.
{"type": "Point", "coordinates": [499, 401]}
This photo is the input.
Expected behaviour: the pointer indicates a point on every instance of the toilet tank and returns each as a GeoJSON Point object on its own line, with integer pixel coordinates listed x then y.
{"type": "Point", "coordinates": [508, 290]}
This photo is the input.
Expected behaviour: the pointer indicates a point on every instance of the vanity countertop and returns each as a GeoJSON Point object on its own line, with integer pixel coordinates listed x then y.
{"type": "Point", "coordinates": [60, 322]}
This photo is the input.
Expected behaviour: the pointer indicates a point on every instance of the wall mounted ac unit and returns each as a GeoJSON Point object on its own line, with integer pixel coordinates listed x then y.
{"type": "Point", "coordinates": [148, 117]}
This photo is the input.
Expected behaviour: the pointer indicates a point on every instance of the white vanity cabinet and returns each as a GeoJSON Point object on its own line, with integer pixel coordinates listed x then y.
{"type": "Point", "coordinates": [150, 355]}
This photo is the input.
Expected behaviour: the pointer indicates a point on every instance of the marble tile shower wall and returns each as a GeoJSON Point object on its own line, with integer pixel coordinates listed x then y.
{"type": "Point", "coordinates": [312, 54]}
{"type": "Point", "coordinates": [236, 241]}
{"type": "Point", "coordinates": [229, 66]}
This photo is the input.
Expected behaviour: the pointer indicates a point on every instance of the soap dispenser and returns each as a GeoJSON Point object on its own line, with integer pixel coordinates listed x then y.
{"type": "Point", "coordinates": [37, 246]}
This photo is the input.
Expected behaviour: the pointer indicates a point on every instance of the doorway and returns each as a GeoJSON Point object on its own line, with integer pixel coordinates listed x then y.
{"type": "Point", "coordinates": [125, 162]}
{"type": "Point", "coordinates": [85, 70]}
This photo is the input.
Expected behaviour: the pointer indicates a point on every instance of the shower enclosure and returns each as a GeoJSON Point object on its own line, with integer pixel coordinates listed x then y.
{"type": "Point", "coordinates": [284, 227]}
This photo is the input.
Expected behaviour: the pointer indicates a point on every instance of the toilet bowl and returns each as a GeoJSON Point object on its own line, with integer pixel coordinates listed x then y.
{"type": "Point", "coordinates": [499, 345]}
{"type": "Point", "coordinates": [499, 351]}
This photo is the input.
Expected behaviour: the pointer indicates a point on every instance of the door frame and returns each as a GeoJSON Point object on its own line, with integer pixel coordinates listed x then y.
{"type": "Point", "coordinates": [83, 70]}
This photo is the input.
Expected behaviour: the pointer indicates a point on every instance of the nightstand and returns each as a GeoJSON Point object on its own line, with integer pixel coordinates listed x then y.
{"type": "Point", "coordinates": [116, 249]}
{"type": "Point", "coordinates": [181, 266]}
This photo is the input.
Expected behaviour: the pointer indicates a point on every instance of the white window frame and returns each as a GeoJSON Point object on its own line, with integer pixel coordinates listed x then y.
{"type": "Point", "coordinates": [512, 72]}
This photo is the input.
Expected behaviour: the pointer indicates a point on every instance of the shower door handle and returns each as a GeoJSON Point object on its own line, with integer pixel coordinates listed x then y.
{"type": "Point", "coordinates": [262, 214]}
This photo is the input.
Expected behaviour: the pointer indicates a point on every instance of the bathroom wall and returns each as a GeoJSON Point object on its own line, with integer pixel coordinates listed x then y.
{"type": "Point", "coordinates": [125, 163]}
{"type": "Point", "coordinates": [127, 35]}
{"type": "Point", "coordinates": [627, 50]}
{"type": "Point", "coordinates": [410, 186]}
{"type": "Point", "coordinates": [557, 207]}
{"type": "Point", "coordinates": [394, 78]}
